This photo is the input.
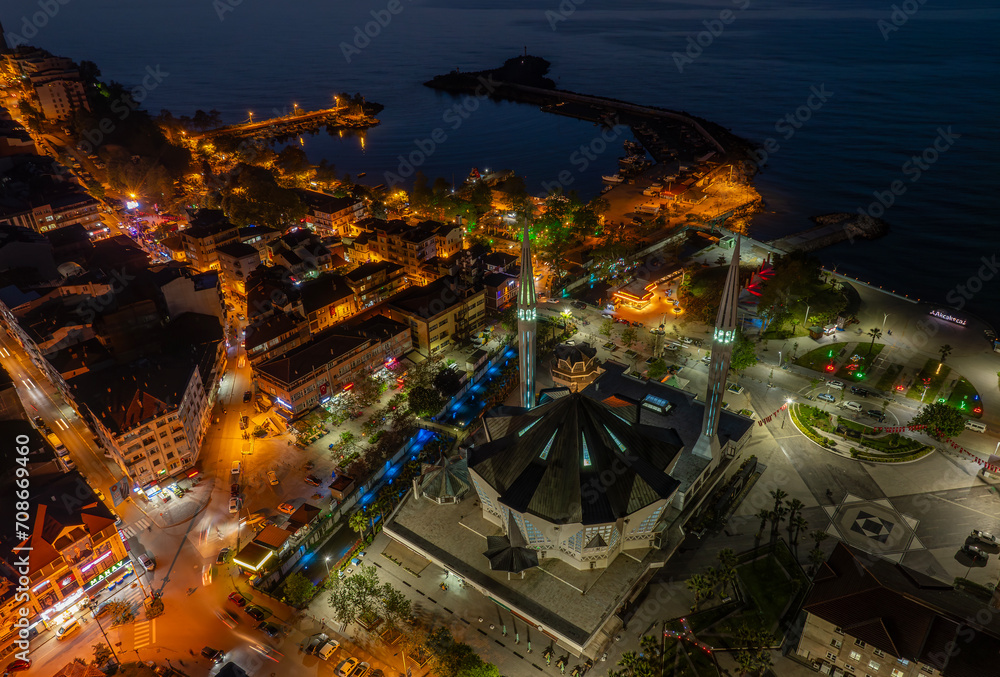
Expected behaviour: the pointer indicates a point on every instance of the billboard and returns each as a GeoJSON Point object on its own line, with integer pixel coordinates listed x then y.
{"type": "Point", "coordinates": [119, 491]}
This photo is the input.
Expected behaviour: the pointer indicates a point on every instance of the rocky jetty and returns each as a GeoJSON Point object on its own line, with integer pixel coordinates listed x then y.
{"type": "Point", "coordinates": [832, 229]}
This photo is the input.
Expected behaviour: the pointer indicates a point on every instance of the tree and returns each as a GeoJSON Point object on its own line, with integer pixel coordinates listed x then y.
{"type": "Point", "coordinates": [368, 389]}
{"type": "Point", "coordinates": [657, 369]}
{"type": "Point", "coordinates": [778, 495]}
{"type": "Point", "coordinates": [944, 351]}
{"type": "Point", "coordinates": [754, 657]}
{"type": "Point", "coordinates": [102, 654]}
{"type": "Point", "coordinates": [794, 506]}
{"type": "Point", "coordinates": [298, 589]}
{"type": "Point", "coordinates": [940, 420]}
{"type": "Point", "coordinates": [607, 327]}
{"type": "Point", "coordinates": [455, 659]}
{"type": "Point", "coordinates": [358, 521]}
{"type": "Point", "coordinates": [744, 353]}
{"type": "Point", "coordinates": [875, 333]}
{"type": "Point", "coordinates": [121, 612]}
{"type": "Point", "coordinates": [699, 584]}
{"type": "Point", "coordinates": [254, 197]}
{"type": "Point", "coordinates": [727, 569]}
{"type": "Point", "coordinates": [819, 536]}
{"type": "Point", "coordinates": [816, 558]}
{"type": "Point", "coordinates": [424, 401]}
{"type": "Point", "coordinates": [777, 517]}
{"type": "Point", "coordinates": [629, 335]}
{"type": "Point", "coordinates": [796, 526]}
{"type": "Point", "coordinates": [396, 607]}
{"type": "Point", "coordinates": [447, 381]}
{"type": "Point", "coordinates": [763, 515]}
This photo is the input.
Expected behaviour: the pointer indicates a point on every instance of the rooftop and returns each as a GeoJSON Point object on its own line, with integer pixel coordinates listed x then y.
{"type": "Point", "coordinates": [443, 293]}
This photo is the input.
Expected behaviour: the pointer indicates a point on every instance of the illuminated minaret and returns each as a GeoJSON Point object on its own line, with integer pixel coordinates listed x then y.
{"type": "Point", "coordinates": [526, 323]}
{"type": "Point", "coordinates": [707, 445]}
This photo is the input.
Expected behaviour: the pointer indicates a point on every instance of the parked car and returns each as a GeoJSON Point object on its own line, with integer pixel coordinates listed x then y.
{"type": "Point", "coordinates": [853, 406]}
{"type": "Point", "coordinates": [579, 305]}
{"type": "Point", "coordinates": [223, 554]}
{"type": "Point", "coordinates": [247, 396]}
{"type": "Point", "coordinates": [313, 480]}
{"type": "Point", "coordinates": [237, 599]}
{"type": "Point", "coordinates": [861, 392]}
{"type": "Point", "coordinates": [686, 341]}
{"type": "Point", "coordinates": [826, 397]}
{"type": "Point", "coordinates": [234, 489]}
{"type": "Point", "coordinates": [214, 655]}
{"type": "Point", "coordinates": [983, 537]}
{"type": "Point", "coordinates": [68, 629]}
{"type": "Point", "coordinates": [256, 612]}
{"type": "Point", "coordinates": [327, 649]}
{"type": "Point", "coordinates": [39, 423]}
{"type": "Point", "coordinates": [272, 477]}
{"type": "Point", "coordinates": [876, 414]}
{"type": "Point", "coordinates": [234, 505]}
{"type": "Point", "coordinates": [345, 668]}
{"type": "Point", "coordinates": [286, 508]}
{"type": "Point", "coordinates": [17, 666]}
{"type": "Point", "coordinates": [315, 643]}
{"type": "Point", "coordinates": [360, 670]}
{"type": "Point", "coordinates": [269, 629]}
{"type": "Point", "coordinates": [974, 551]}
{"type": "Point", "coordinates": [149, 563]}
{"type": "Point", "coordinates": [839, 385]}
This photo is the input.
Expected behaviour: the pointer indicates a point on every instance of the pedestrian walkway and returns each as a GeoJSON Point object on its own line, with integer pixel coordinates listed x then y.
{"type": "Point", "coordinates": [145, 633]}
{"type": "Point", "coordinates": [135, 528]}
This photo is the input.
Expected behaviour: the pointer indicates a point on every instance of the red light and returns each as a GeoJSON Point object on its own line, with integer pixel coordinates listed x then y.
{"type": "Point", "coordinates": [348, 386]}
{"type": "Point", "coordinates": [829, 367]}
{"type": "Point", "coordinates": [978, 410]}
{"type": "Point", "coordinates": [899, 388]}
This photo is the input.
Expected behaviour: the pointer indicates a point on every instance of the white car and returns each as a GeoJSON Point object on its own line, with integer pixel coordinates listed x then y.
{"type": "Point", "coordinates": [838, 385]}
{"type": "Point", "coordinates": [234, 505]}
{"type": "Point", "coordinates": [686, 341]}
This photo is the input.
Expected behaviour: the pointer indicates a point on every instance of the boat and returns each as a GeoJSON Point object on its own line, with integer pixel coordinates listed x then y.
{"type": "Point", "coordinates": [362, 174]}
{"type": "Point", "coordinates": [612, 179]}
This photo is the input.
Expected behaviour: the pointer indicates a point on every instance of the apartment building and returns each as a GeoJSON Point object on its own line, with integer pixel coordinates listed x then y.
{"type": "Point", "coordinates": [375, 282]}
{"type": "Point", "coordinates": [439, 314]}
{"type": "Point", "coordinates": [330, 215]}
{"type": "Point", "coordinates": [307, 376]}
{"type": "Point", "coordinates": [236, 261]}
{"type": "Point", "coordinates": [150, 416]}
{"type": "Point", "coordinates": [209, 230]}
{"type": "Point", "coordinates": [867, 616]}
{"type": "Point", "coordinates": [47, 211]}
{"type": "Point", "coordinates": [73, 551]}
{"type": "Point", "coordinates": [325, 301]}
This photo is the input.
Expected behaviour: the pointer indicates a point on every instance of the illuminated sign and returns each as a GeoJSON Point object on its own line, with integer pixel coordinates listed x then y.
{"type": "Point", "coordinates": [940, 314]}
{"type": "Point", "coordinates": [95, 561]}
{"type": "Point", "coordinates": [250, 566]}
{"type": "Point", "coordinates": [106, 573]}
{"type": "Point", "coordinates": [131, 204]}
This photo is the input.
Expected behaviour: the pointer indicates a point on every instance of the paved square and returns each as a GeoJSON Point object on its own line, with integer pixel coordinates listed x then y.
{"type": "Point", "coordinates": [873, 527]}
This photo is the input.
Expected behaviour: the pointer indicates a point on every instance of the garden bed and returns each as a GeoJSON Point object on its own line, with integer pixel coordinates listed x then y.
{"type": "Point", "coordinates": [863, 364]}
{"type": "Point", "coordinates": [887, 380]}
{"type": "Point", "coordinates": [966, 399]}
{"type": "Point", "coordinates": [930, 376]}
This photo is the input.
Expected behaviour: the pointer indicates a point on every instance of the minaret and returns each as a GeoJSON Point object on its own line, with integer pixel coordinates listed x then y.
{"type": "Point", "coordinates": [707, 445]}
{"type": "Point", "coordinates": [526, 323]}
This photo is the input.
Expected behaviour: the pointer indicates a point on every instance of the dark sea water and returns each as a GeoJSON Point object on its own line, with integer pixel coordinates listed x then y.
{"type": "Point", "coordinates": [889, 95]}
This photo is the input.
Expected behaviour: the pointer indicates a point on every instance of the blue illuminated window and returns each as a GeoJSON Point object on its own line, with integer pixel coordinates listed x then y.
{"type": "Point", "coordinates": [548, 445]}
{"type": "Point", "coordinates": [614, 437]}
{"type": "Point", "coordinates": [528, 427]}
{"type": "Point", "coordinates": [586, 450]}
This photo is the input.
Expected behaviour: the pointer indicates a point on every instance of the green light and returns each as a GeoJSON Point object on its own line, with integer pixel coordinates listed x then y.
{"type": "Point", "coordinates": [860, 375]}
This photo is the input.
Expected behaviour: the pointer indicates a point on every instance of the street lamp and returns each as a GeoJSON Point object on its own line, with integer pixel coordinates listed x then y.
{"type": "Point", "coordinates": [327, 560]}
{"type": "Point", "coordinates": [251, 116]}
{"type": "Point", "coordinates": [788, 412]}
{"type": "Point", "coordinates": [886, 317]}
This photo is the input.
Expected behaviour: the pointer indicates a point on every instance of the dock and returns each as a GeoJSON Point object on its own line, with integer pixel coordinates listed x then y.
{"type": "Point", "coordinates": [292, 124]}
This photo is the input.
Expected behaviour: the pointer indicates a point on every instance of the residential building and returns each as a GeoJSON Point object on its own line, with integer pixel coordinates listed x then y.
{"type": "Point", "coordinates": [273, 335]}
{"type": "Point", "coordinates": [73, 549]}
{"type": "Point", "coordinates": [326, 301]}
{"type": "Point", "coordinates": [870, 616]}
{"type": "Point", "coordinates": [43, 212]}
{"type": "Point", "coordinates": [330, 215]}
{"type": "Point", "coordinates": [236, 261]}
{"type": "Point", "coordinates": [310, 374]}
{"type": "Point", "coordinates": [151, 415]}
{"type": "Point", "coordinates": [501, 290]}
{"type": "Point", "coordinates": [375, 282]}
{"type": "Point", "coordinates": [209, 229]}
{"type": "Point", "coordinates": [258, 237]}
{"type": "Point", "coordinates": [439, 314]}
{"type": "Point", "coordinates": [499, 262]}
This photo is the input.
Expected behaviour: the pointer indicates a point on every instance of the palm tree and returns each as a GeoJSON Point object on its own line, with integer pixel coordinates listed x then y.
{"type": "Point", "coordinates": [777, 517]}
{"type": "Point", "coordinates": [799, 524]}
{"type": "Point", "coordinates": [819, 536]}
{"type": "Point", "coordinates": [358, 522]}
{"type": "Point", "coordinates": [794, 506]}
{"type": "Point", "coordinates": [763, 516]}
{"type": "Point", "coordinates": [944, 351]}
{"type": "Point", "coordinates": [778, 495]}
{"type": "Point", "coordinates": [651, 648]}
{"type": "Point", "coordinates": [727, 557]}
{"type": "Point", "coordinates": [816, 557]}
{"type": "Point", "coordinates": [875, 333]}
{"type": "Point", "coordinates": [699, 585]}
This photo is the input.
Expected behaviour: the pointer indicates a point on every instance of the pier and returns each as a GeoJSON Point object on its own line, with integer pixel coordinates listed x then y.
{"type": "Point", "coordinates": [295, 123]}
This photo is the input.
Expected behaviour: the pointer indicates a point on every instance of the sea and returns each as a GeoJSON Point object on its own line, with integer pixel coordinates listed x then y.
{"type": "Point", "coordinates": [885, 107]}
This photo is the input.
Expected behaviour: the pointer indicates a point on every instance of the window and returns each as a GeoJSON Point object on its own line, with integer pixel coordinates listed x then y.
{"type": "Point", "coordinates": [928, 669]}
{"type": "Point", "coordinates": [156, 462]}
{"type": "Point", "coordinates": [855, 656]}
{"type": "Point", "coordinates": [836, 643]}
{"type": "Point", "coordinates": [586, 450]}
{"type": "Point", "coordinates": [897, 673]}
{"type": "Point", "coordinates": [873, 665]}
{"type": "Point", "coordinates": [858, 642]}
{"type": "Point", "coordinates": [548, 446]}
{"type": "Point", "coordinates": [849, 668]}
{"type": "Point", "coordinates": [614, 438]}
{"type": "Point", "coordinates": [839, 630]}
{"type": "Point", "coordinates": [831, 657]}
{"type": "Point", "coordinates": [879, 653]}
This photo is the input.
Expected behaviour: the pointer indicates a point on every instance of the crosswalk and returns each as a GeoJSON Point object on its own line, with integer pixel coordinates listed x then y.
{"type": "Point", "coordinates": [136, 528]}
{"type": "Point", "coordinates": [145, 633]}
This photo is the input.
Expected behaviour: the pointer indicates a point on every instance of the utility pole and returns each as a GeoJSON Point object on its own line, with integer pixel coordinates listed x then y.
{"type": "Point", "coordinates": [105, 635]}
